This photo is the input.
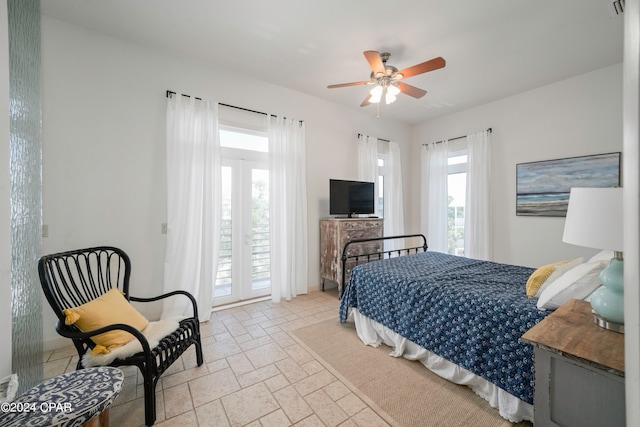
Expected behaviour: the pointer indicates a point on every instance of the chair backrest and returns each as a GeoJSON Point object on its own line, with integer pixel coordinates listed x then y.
{"type": "Point", "coordinates": [70, 279]}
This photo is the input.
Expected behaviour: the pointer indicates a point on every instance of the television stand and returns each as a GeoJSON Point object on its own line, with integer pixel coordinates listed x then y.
{"type": "Point", "coordinates": [334, 234]}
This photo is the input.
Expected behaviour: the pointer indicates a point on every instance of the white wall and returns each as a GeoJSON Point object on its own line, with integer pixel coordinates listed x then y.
{"type": "Point", "coordinates": [5, 231]}
{"type": "Point", "coordinates": [104, 145]}
{"type": "Point", "coordinates": [575, 117]}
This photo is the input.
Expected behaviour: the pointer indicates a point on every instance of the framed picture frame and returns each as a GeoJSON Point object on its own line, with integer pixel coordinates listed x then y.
{"type": "Point", "coordinates": [542, 188]}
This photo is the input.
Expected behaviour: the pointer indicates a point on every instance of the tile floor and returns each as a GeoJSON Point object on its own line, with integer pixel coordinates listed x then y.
{"type": "Point", "coordinates": [255, 374]}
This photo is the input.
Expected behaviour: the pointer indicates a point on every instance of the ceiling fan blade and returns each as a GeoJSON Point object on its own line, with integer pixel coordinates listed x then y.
{"type": "Point", "coordinates": [424, 67]}
{"type": "Point", "coordinates": [375, 62]}
{"type": "Point", "coordinates": [366, 101]}
{"type": "Point", "coordinates": [348, 84]}
{"type": "Point", "coordinates": [411, 90]}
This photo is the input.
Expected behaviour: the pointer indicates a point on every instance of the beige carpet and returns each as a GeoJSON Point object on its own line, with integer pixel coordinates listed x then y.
{"type": "Point", "coordinates": [405, 391]}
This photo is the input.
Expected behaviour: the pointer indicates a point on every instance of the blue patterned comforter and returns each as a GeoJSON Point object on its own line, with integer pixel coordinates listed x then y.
{"type": "Point", "coordinates": [470, 312]}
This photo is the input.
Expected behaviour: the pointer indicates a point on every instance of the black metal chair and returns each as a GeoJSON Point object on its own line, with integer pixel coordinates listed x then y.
{"type": "Point", "coordinates": [70, 279]}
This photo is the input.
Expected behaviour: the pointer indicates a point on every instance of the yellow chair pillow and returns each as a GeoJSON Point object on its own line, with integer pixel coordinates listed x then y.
{"type": "Point", "coordinates": [538, 277]}
{"type": "Point", "coordinates": [109, 308]}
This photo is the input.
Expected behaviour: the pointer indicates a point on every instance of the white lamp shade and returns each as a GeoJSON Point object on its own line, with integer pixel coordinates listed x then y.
{"type": "Point", "coordinates": [376, 94]}
{"type": "Point", "coordinates": [389, 98]}
{"type": "Point", "coordinates": [594, 218]}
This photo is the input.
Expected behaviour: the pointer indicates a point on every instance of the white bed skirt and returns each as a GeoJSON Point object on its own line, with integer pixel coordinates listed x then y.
{"type": "Point", "coordinates": [373, 333]}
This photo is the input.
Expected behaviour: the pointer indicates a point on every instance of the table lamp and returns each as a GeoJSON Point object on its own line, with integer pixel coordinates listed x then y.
{"type": "Point", "coordinates": [594, 220]}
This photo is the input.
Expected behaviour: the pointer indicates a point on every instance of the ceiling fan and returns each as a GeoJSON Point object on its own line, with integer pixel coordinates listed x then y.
{"type": "Point", "coordinates": [388, 79]}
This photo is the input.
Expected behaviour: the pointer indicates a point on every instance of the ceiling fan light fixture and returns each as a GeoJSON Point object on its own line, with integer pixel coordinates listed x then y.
{"type": "Point", "coordinates": [376, 94]}
{"type": "Point", "coordinates": [390, 91]}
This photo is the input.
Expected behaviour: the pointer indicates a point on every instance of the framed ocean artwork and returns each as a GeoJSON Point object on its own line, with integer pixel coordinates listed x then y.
{"type": "Point", "coordinates": [542, 188]}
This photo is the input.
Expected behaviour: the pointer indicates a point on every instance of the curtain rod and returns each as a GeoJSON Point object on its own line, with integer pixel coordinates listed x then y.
{"type": "Point", "coordinates": [453, 139]}
{"type": "Point", "coordinates": [170, 92]}
{"type": "Point", "coordinates": [379, 139]}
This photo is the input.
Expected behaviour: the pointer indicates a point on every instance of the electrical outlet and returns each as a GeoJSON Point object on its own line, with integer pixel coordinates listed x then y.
{"type": "Point", "coordinates": [163, 228]}
{"type": "Point", "coordinates": [45, 230]}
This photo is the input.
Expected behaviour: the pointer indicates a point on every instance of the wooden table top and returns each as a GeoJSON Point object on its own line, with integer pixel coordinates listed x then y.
{"type": "Point", "coordinates": [571, 331]}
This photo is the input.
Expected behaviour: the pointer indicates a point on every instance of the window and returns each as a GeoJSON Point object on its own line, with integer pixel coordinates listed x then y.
{"type": "Point", "coordinates": [244, 261]}
{"type": "Point", "coordinates": [389, 194]}
{"type": "Point", "coordinates": [380, 186]}
{"type": "Point", "coordinates": [243, 139]}
{"type": "Point", "coordinates": [457, 188]}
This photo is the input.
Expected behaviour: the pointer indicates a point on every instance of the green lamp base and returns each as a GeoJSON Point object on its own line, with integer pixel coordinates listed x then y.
{"type": "Point", "coordinates": [608, 302]}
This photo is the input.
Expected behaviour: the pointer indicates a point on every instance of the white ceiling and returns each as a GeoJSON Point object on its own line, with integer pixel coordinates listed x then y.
{"type": "Point", "coordinates": [493, 48]}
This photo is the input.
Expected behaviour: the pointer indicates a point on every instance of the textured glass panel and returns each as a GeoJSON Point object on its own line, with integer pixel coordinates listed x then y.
{"type": "Point", "coordinates": [25, 165]}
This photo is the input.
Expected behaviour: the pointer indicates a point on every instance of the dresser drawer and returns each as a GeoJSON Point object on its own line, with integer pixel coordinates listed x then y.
{"type": "Point", "coordinates": [360, 224]}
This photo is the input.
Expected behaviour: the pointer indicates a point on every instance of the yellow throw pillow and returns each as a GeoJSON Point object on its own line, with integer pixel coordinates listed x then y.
{"type": "Point", "coordinates": [539, 276]}
{"type": "Point", "coordinates": [109, 308]}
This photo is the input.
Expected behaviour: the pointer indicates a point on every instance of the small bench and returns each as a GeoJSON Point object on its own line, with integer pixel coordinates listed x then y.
{"type": "Point", "coordinates": [72, 399]}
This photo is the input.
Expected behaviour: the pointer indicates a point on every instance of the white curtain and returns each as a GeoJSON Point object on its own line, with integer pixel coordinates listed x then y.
{"type": "Point", "coordinates": [434, 197]}
{"type": "Point", "coordinates": [477, 227]}
{"type": "Point", "coordinates": [288, 208]}
{"type": "Point", "coordinates": [393, 201]}
{"type": "Point", "coordinates": [193, 204]}
{"type": "Point", "coordinates": [368, 159]}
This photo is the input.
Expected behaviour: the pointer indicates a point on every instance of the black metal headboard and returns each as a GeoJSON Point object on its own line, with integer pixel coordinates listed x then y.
{"type": "Point", "coordinates": [378, 255]}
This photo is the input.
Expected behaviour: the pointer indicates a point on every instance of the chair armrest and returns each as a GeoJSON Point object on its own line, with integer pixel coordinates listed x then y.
{"type": "Point", "coordinates": [170, 294]}
{"type": "Point", "coordinates": [73, 332]}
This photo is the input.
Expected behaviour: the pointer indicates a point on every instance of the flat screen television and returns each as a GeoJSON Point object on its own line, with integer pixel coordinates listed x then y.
{"type": "Point", "coordinates": [351, 197]}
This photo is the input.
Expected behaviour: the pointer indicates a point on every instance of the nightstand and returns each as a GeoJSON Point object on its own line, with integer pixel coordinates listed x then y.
{"type": "Point", "coordinates": [579, 369]}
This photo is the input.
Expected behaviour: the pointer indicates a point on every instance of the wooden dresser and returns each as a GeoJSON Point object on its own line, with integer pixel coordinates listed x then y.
{"type": "Point", "coordinates": [334, 234]}
{"type": "Point", "coordinates": [579, 369]}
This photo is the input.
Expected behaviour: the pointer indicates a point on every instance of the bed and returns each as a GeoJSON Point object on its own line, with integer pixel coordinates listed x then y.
{"type": "Point", "coordinates": [462, 318]}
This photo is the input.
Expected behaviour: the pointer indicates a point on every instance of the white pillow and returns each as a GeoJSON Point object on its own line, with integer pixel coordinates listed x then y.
{"type": "Point", "coordinates": [579, 282]}
{"type": "Point", "coordinates": [558, 271]}
{"type": "Point", "coordinates": [605, 255]}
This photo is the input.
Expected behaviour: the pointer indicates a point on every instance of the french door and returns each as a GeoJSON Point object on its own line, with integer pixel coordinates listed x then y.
{"type": "Point", "coordinates": [244, 259]}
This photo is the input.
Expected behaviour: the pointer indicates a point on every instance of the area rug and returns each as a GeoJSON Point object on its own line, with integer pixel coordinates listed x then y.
{"type": "Point", "coordinates": [403, 390]}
